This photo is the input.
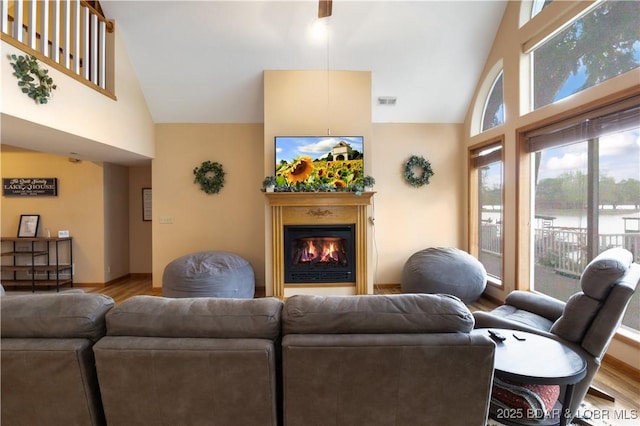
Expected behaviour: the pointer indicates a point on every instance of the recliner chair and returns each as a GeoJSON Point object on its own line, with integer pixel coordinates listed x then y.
{"type": "Point", "coordinates": [586, 322]}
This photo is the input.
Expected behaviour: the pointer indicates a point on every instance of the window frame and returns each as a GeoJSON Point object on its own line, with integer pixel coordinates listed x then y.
{"type": "Point", "coordinates": [524, 188]}
{"type": "Point", "coordinates": [474, 213]}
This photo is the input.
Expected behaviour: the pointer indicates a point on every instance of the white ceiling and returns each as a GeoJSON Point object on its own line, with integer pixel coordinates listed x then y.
{"type": "Point", "coordinates": [202, 61]}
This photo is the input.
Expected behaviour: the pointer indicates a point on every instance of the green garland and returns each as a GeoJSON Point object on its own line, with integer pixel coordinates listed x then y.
{"type": "Point", "coordinates": [210, 176]}
{"type": "Point", "coordinates": [409, 171]}
{"type": "Point", "coordinates": [35, 82]}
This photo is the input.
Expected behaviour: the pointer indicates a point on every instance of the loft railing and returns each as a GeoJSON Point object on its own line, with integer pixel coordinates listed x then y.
{"type": "Point", "coordinates": [70, 35]}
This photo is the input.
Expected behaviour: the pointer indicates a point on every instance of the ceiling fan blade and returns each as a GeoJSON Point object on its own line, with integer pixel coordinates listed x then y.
{"type": "Point", "coordinates": [324, 8]}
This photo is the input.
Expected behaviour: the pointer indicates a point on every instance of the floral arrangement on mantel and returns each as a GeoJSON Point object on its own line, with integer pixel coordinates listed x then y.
{"type": "Point", "coordinates": [305, 175]}
{"type": "Point", "coordinates": [281, 184]}
{"type": "Point", "coordinates": [34, 81]}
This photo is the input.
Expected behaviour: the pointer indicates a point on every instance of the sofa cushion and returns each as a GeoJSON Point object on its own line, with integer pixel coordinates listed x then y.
{"type": "Point", "coordinates": [401, 313]}
{"type": "Point", "coordinates": [60, 315]}
{"type": "Point", "coordinates": [604, 271]}
{"type": "Point", "coordinates": [203, 317]}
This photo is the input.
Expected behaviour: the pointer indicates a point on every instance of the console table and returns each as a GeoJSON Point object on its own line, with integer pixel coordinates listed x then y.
{"type": "Point", "coordinates": [535, 359]}
{"type": "Point", "coordinates": [37, 262]}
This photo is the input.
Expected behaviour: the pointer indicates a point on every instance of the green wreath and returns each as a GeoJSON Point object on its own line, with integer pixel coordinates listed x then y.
{"type": "Point", "coordinates": [210, 176]}
{"type": "Point", "coordinates": [34, 81]}
{"type": "Point", "coordinates": [411, 165]}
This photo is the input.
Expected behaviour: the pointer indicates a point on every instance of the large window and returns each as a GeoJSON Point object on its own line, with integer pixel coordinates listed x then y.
{"type": "Point", "coordinates": [585, 174]}
{"type": "Point", "coordinates": [487, 178]}
{"type": "Point", "coordinates": [600, 45]}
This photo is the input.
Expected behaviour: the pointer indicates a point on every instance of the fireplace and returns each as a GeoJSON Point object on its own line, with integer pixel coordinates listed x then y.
{"type": "Point", "coordinates": [337, 221]}
{"type": "Point", "coordinates": [319, 253]}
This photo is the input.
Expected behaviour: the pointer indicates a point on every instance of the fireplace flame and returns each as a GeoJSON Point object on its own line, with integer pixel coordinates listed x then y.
{"type": "Point", "coordinates": [320, 250]}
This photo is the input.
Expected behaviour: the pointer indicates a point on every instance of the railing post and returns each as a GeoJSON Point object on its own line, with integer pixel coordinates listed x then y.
{"type": "Point", "coordinates": [103, 55]}
{"type": "Point", "coordinates": [18, 12]}
{"type": "Point", "coordinates": [32, 19]}
{"type": "Point", "coordinates": [85, 23]}
{"type": "Point", "coordinates": [4, 22]}
{"type": "Point", "coordinates": [94, 48]}
{"type": "Point", "coordinates": [66, 33]}
{"type": "Point", "coordinates": [76, 36]}
{"type": "Point", "coordinates": [44, 36]}
{"type": "Point", "coordinates": [55, 40]}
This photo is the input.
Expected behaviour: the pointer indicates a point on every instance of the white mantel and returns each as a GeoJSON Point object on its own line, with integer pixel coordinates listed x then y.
{"type": "Point", "coordinates": [320, 208]}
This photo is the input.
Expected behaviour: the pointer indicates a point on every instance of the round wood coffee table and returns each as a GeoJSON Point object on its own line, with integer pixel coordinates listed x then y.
{"type": "Point", "coordinates": [533, 359]}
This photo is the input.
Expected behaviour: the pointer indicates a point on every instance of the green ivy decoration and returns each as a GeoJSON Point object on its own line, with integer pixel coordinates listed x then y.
{"type": "Point", "coordinates": [33, 80]}
{"type": "Point", "coordinates": [210, 176]}
{"type": "Point", "coordinates": [417, 162]}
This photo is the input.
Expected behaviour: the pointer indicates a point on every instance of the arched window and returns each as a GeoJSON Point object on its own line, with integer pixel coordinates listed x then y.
{"type": "Point", "coordinates": [538, 5]}
{"type": "Point", "coordinates": [493, 112]}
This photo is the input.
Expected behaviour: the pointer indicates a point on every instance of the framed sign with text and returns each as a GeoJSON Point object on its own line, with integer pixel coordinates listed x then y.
{"type": "Point", "coordinates": [29, 187]}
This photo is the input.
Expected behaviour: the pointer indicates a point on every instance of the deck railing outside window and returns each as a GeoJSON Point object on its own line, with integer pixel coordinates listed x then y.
{"type": "Point", "coordinates": [70, 33]}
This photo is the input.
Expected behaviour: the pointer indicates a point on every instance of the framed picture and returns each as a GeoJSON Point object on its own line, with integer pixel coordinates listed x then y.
{"type": "Point", "coordinates": [146, 204]}
{"type": "Point", "coordinates": [28, 227]}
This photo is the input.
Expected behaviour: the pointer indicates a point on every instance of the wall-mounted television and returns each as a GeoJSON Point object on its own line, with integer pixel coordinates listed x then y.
{"type": "Point", "coordinates": [319, 161]}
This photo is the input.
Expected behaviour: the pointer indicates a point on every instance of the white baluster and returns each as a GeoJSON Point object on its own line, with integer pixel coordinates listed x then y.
{"type": "Point", "coordinates": [4, 22]}
{"type": "Point", "coordinates": [55, 42]}
{"type": "Point", "coordinates": [66, 34]}
{"type": "Point", "coordinates": [86, 60]}
{"type": "Point", "coordinates": [32, 32]}
{"type": "Point", "coordinates": [76, 35]}
{"type": "Point", "coordinates": [18, 15]}
{"type": "Point", "coordinates": [94, 48]}
{"type": "Point", "coordinates": [103, 59]}
{"type": "Point", "coordinates": [44, 36]}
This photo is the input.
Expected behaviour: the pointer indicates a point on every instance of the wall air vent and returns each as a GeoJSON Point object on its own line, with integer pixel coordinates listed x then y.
{"type": "Point", "coordinates": [387, 100]}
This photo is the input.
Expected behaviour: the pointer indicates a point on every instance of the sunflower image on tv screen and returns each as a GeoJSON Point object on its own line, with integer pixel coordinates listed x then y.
{"type": "Point", "coordinates": [311, 162]}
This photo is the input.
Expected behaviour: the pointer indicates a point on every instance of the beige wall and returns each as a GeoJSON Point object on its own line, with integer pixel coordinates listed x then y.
{"type": "Point", "coordinates": [408, 219]}
{"type": "Point", "coordinates": [507, 49]}
{"type": "Point", "coordinates": [231, 220]}
{"type": "Point", "coordinates": [116, 221]}
{"type": "Point", "coordinates": [79, 206]}
{"type": "Point", "coordinates": [139, 230]}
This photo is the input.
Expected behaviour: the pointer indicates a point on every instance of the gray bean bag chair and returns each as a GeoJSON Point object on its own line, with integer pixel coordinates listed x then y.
{"type": "Point", "coordinates": [444, 270]}
{"type": "Point", "coordinates": [209, 274]}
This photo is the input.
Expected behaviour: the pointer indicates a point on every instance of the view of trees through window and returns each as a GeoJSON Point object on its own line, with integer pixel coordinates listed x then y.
{"type": "Point", "coordinates": [602, 44]}
{"type": "Point", "coordinates": [568, 231]}
{"type": "Point", "coordinates": [493, 114]}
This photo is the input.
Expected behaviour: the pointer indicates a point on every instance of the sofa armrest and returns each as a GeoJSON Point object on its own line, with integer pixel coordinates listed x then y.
{"type": "Point", "coordinates": [537, 303]}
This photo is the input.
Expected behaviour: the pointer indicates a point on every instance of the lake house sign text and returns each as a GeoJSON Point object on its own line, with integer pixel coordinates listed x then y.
{"type": "Point", "coordinates": [29, 187]}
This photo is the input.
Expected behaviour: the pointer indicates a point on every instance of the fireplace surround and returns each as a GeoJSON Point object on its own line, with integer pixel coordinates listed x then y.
{"type": "Point", "coordinates": [332, 215]}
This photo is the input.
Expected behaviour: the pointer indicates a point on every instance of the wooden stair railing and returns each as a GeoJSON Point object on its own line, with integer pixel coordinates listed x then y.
{"type": "Point", "coordinates": [73, 36]}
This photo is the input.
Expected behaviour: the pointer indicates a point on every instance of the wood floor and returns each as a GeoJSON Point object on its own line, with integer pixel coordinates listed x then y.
{"type": "Point", "coordinates": [615, 378]}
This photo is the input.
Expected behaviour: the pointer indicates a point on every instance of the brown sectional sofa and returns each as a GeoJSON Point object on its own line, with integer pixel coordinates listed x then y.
{"type": "Point", "coordinates": [351, 360]}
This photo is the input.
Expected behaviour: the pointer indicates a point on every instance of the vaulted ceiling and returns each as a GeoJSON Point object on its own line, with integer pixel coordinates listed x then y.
{"type": "Point", "coordinates": [202, 61]}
